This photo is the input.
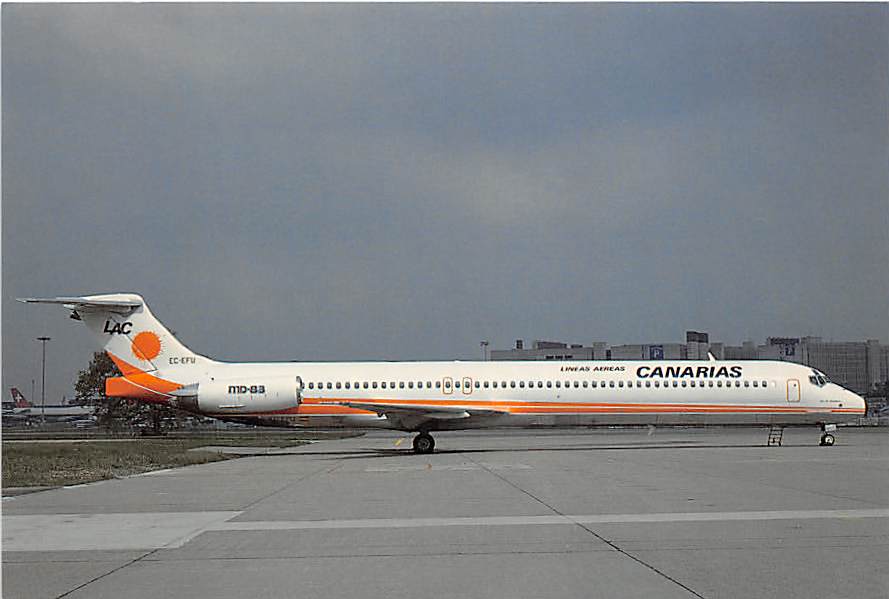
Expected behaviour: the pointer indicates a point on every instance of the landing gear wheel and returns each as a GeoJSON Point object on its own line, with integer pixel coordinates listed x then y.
{"type": "Point", "coordinates": [424, 443]}
{"type": "Point", "coordinates": [827, 440]}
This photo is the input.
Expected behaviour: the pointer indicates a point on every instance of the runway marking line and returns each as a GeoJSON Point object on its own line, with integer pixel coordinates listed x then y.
{"type": "Point", "coordinates": [547, 520]}
{"type": "Point", "coordinates": [166, 530]}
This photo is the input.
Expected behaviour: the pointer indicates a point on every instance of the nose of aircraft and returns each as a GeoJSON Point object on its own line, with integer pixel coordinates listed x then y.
{"type": "Point", "coordinates": [854, 401]}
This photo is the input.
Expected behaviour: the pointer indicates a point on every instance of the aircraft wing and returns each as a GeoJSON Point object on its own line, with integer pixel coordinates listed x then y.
{"type": "Point", "coordinates": [423, 411]}
{"type": "Point", "coordinates": [13, 417]}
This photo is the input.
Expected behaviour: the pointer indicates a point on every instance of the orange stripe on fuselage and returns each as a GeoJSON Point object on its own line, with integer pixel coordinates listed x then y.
{"type": "Point", "coordinates": [528, 407]}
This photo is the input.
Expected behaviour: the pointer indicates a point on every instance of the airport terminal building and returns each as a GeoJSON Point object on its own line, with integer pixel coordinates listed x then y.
{"type": "Point", "coordinates": [857, 365]}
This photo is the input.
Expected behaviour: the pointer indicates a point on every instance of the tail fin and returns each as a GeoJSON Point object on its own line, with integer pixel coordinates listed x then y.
{"type": "Point", "coordinates": [19, 399]}
{"type": "Point", "coordinates": [127, 331]}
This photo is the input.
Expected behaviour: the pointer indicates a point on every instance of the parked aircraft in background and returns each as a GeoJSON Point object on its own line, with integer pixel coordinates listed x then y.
{"type": "Point", "coordinates": [21, 410]}
{"type": "Point", "coordinates": [424, 397]}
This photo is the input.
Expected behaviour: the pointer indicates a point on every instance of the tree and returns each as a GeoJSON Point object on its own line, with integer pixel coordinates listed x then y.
{"type": "Point", "coordinates": [113, 412]}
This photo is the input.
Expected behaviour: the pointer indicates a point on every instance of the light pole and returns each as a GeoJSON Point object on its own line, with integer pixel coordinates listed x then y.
{"type": "Point", "coordinates": [43, 340]}
{"type": "Point", "coordinates": [484, 345]}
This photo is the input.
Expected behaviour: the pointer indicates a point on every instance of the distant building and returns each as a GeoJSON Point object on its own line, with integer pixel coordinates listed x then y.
{"type": "Point", "coordinates": [857, 365]}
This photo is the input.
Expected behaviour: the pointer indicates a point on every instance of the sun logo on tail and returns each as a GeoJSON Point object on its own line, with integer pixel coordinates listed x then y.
{"type": "Point", "coordinates": [146, 346]}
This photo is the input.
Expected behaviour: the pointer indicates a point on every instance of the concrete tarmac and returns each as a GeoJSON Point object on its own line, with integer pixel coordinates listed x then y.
{"type": "Point", "coordinates": [679, 513]}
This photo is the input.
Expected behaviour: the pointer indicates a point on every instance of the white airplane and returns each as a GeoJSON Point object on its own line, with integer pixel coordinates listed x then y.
{"type": "Point", "coordinates": [423, 397]}
{"type": "Point", "coordinates": [21, 409]}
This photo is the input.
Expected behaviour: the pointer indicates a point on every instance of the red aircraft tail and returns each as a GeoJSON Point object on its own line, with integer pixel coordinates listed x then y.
{"type": "Point", "coordinates": [19, 399]}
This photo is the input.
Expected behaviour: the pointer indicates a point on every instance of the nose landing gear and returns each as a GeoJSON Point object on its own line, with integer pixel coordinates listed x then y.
{"type": "Point", "coordinates": [424, 443]}
{"type": "Point", "coordinates": [827, 438]}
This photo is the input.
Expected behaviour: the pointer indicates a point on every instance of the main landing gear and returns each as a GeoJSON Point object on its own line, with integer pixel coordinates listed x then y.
{"type": "Point", "coordinates": [827, 438]}
{"type": "Point", "coordinates": [424, 443]}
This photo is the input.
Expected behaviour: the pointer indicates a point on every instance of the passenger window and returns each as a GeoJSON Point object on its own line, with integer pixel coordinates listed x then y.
{"type": "Point", "coordinates": [585, 383]}
{"type": "Point", "coordinates": [756, 383]}
{"type": "Point", "coordinates": [684, 383]}
{"type": "Point", "coordinates": [502, 384]}
{"type": "Point", "coordinates": [330, 385]}
{"type": "Point", "coordinates": [719, 383]}
{"type": "Point", "coordinates": [374, 384]}
{"type": "Point", "coordinates": [437, 384]}
{"type": "Point", "coordinates": [486, 384]}
{"type": "Point", "coordinates": [364, 384]}
{"type": "Point", "coordinates": [737, 383]}
{"type": "Point", "coordinates": [611, 383]}
{"type": "Point", "coordinates": [512, 384]}
{"type": "Point", "coordinates": [549, 384]}
{"type": "Point", "coordinates": [577, 384]}
{"type": "Point", "coordinates": [401, 384]}
{"type": "Point", "coordinates": [647, 384]}
{"type": "Point", "coordinates": [709, 383]}
{"type": "Point", "coordinates": [392, 385]}
{"type": "Point", "coordinates": [339, 385]}
{"type": "Point", "coordinates": [410, 384]}
{"type": "Point", "coordinates": [311, 385]}
{"type": "Point", "coordinates": [657, 383]}
{"type": "Point", "coordinates": [522, 384]}
{"type": "Point", "coordinates": [494, 384]}
{"type": "Point", "coordinates": [746, 383]}
{"type": "Point", "coordinates": [383, 384]}
{"type": "Point", "coordinates": [456, 384]}
{"type": "Point", "coordinates": [477, 384]}
{"type": "Point", "coordinates": [620, 383]}
{"type": "Point", "coordinates": [691, 383]}
{"type": "Point", "coordinates": [676, 383]}
{"type": "Point", "coordinates": [764, 384]}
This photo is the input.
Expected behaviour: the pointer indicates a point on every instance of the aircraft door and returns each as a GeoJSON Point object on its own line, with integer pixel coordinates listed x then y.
{"type": "Point", "coordinates": [467, 385]}
{"type": "Point", "coordinates": [792, 390]}
{"type": "Point", "coordinates": [447, 385]}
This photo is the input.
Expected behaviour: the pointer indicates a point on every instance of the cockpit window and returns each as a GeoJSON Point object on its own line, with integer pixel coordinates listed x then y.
{"type": "Point", "coordinates": [818, 378]}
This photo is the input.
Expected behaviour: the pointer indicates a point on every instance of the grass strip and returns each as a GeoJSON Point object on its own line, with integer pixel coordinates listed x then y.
{"type": "Point", "coordinates": [67, 463]}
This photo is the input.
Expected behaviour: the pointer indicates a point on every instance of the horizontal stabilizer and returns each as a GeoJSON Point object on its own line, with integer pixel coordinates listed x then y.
{"type": "Point", "coordinates": [108, 303]}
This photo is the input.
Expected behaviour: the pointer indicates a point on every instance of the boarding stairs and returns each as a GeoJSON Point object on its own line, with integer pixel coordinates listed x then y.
{"type": "Point", "coordinates": [776, 435]}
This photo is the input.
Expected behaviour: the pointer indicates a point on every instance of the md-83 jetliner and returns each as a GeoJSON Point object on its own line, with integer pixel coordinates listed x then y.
{"type": "Point", "coordinates": [424, 397]}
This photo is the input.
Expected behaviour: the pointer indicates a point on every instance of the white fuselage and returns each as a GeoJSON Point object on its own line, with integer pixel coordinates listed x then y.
{"type": "Point", "coordinates": [555, 393]}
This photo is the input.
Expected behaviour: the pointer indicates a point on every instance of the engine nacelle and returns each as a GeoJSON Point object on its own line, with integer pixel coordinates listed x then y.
{"type": "Point", "coordinates": [248, 395]}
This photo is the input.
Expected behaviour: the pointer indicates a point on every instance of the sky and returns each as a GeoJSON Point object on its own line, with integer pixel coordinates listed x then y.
{"type": "Point", "coordinates": [360, 182]}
